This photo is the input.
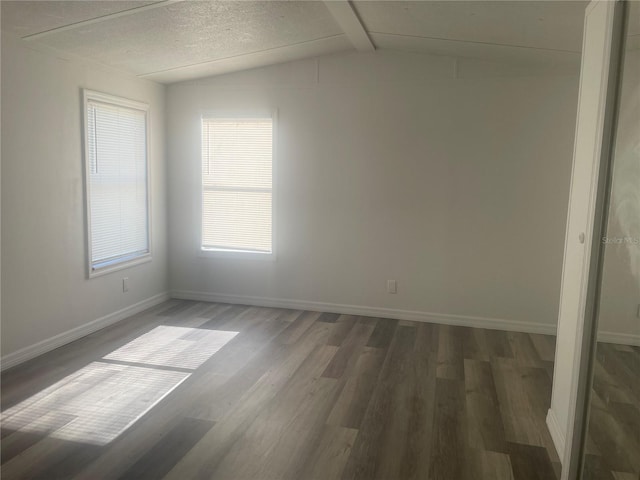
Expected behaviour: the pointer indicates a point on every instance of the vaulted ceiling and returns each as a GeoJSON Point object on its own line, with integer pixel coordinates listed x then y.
{"type": "Point", "coordinates": [172, 40]}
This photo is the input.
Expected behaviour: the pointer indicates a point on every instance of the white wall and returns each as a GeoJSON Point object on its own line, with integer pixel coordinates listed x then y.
{"type": "Point", "coordinates": [451, 177]}
{"type": "Point", "coordinates": [45, 291]}
{"type": "Point", "coordinates": [618, 319]}
{"type": "Point", "coordinates": [0, 185]}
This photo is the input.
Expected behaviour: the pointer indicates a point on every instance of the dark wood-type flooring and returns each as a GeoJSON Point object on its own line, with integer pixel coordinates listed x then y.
{"type": "Point", "coordinates": [613, 445]}
{"type": "Point", "coordinates": [294, 395]}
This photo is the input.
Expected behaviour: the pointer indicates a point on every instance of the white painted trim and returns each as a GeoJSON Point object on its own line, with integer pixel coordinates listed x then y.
{"type": "Point", "coordinates": [37, 349]}
{"type": "Point", "coordinates": [227, 253]}
{"type": "Point", "coordinates": [417, 316]}
{"type": "Point", "coordinates": [632, 339]}
{"type": "Point", "coordinates": [345, 15]}
{"type": "Point", "coordinates": [557, 433]}
{"type": "Point", "coordinates": [596, 10]}
{"type": "Point", "coordinates": [87, 97]}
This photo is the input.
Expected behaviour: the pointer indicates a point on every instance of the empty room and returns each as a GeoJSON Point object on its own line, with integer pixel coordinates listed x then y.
{"type": "Point", "coordinates": [269, 240]}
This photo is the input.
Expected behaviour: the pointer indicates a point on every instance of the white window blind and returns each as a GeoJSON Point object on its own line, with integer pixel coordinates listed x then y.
{"type": "Point", "coordinates": [237, 184]}
{"type": "Point", "coordinates": [117, 183]}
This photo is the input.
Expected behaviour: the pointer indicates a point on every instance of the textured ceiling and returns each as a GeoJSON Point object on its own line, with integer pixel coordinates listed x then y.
{"type": "Point", "coordinates": [26, 18]}
{"type": "Point", "coordinates": [553, 25]}
{"type": "Point", "coordinates": [187, 33]}
{"type": "Point", "coordinates": [174, 40]}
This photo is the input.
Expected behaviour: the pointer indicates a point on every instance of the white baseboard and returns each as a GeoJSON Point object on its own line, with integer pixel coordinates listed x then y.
{"type": "Point", "coordinates": [619, 338]}
{"type": "Point", "coordinates": [32, 351]}
{"type": "Point", "coordinates": [557, 435]}
{"type": "Point", "coordinates": [442, 318]}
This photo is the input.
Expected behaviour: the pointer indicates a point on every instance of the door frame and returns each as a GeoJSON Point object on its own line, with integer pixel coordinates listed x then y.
{"type": "Point", "coordinates": [585, 353]}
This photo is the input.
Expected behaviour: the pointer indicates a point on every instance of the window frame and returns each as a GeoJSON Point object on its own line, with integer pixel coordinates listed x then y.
{"type": "Point", "coordinates": [222, 253]}
{"type": "Point", "coordinates": [127, 261]}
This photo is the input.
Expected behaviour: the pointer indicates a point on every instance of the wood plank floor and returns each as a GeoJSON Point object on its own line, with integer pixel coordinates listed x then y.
{"type": "Point", "coordinates": [292, 395]}
{"type": "Point", "coordinates": [613, 448]}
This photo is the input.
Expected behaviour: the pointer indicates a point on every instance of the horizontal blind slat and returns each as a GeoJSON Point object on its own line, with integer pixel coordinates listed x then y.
{"type": "Point", "coordinates": [237, 183]}
{"type": "Point", "coordinates": [117, 153]}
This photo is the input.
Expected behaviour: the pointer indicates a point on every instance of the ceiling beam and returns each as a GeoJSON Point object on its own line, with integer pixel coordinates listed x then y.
{"type": "Point", "coordinates": [344, 13]}
{"type": "Point", "coordinates": [103, 18]}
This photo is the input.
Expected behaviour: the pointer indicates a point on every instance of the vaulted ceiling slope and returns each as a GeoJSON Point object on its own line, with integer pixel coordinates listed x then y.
{"type": "Point", "coordinates": [174, 40]}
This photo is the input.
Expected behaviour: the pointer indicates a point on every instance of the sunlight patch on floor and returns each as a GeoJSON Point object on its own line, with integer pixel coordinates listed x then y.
{"type": "Point", "coordinates": [100, 401]}
{"type": "Point", "coordinates": [95, 404]}
{"type": "Point", "coordinates": [177, 347]}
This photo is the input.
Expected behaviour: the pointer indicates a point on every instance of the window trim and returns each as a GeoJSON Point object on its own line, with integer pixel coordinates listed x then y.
{"type": "Point", "coordinates": [125, 261]}
{"type": "Point", "coordinates": [223, 253]}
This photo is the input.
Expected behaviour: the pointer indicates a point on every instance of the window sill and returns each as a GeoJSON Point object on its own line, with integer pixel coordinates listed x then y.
{"type": "Point", "coordinates": [119, 266]}
{"type": "Point", "coordinates": [235, 254]}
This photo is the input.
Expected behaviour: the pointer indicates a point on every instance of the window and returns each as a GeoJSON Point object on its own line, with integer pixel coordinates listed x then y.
{"type": "Point", "coordinates": [116, 182]}
{"type": "Point", "coordinates": [237, 160]}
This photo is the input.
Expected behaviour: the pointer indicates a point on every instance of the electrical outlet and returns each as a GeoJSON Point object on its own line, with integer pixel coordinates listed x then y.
{"type": "Point", "coordinates": [392, 286]}
{"type": "Point", "coordinates": [125, 284]}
